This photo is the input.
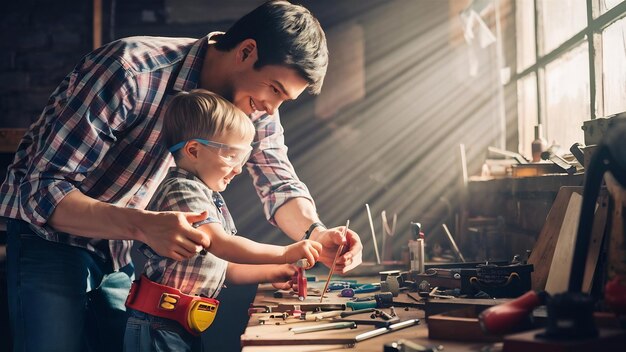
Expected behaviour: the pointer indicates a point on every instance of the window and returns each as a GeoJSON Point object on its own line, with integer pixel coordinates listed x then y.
{"type": "Point", "coordinates": [614, 67]}
{"type": "Point", "coordinates": [527, 108]}
{"type": "Point", "coordinates": [525, 28]}
{"type": "Point", "coordinates": [567, 97]}
{"type": "Point", "coordinates": [570, 66]}
{"type": "Point", "coordinates": [606, 5]}
{"type": "Point", "coordinates": [559, 20]}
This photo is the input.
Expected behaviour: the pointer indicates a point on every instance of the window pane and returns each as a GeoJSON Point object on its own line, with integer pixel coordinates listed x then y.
{"type": "Point", "coordinates": [606, 5]}
{"type": "Point", "coordinates": [567, 97]}
{"type": "Point", "coordinates": [526, 112]}
{"type": "Point", "coordinates": [560, 20]}
{"type": "Point", "coordinates": [525, 23]}
{"type": "Point", "coordinates": [613, 59]}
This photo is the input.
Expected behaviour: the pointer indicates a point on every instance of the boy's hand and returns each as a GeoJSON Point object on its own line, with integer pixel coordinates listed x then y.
{"type": "Point", "coordinates": [331, 239]}
{"type": "Point", "coordinates": [280, 276]}
{"type": "Point", "coordinates": [307, 249]}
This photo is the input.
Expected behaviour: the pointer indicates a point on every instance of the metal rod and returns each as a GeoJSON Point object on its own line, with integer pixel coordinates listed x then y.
{"type": "Point", "coordinates": [369, 216]}
{"type": "Point", "coordinates": [390, 328]}
{"type": "Point", "coordinates": [385, 233]}
{"type": "Point", "coordinates": [332, 267]}
{"type": "Point", "coordinates": [518, 157]}
{"type": "Point", "coordinates": [322, 327]}
{"type": "Point", "coordinates": [453, 243]}
{"type": "Point", "coordinates": [463, 164]}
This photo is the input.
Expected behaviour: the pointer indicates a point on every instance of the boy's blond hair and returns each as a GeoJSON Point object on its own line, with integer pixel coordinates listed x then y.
{"type": "Point", "coordinates": [203, 114]}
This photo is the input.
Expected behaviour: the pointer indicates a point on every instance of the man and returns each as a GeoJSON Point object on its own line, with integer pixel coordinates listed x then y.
{"type": "Point", "coordinates": [76, 190]}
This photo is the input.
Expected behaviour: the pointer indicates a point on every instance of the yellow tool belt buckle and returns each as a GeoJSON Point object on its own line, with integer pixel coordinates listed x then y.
{"type": "Point", "coordinates": [201, 315]}
{"type": "Point", "coordinates": [168, 301]}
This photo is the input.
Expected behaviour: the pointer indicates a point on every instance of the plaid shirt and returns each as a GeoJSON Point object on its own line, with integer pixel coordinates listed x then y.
{"type": "Point", "coordinates": [100, 134]}
{"type": "Point", "coordinates": [202, 274]}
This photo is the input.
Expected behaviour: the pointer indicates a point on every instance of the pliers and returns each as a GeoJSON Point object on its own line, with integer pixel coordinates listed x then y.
{"type": "Point", "coordinates": [366, 288]}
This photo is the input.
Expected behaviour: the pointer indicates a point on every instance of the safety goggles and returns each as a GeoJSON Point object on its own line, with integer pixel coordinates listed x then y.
{"type": "Point", "coordinates": [232, 155]}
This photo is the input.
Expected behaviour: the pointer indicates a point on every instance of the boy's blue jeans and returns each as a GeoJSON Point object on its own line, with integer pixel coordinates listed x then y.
{"type": "Point", "coordinates": [148, 333]}
{"type": "Point", "coordinates": [63, 298]}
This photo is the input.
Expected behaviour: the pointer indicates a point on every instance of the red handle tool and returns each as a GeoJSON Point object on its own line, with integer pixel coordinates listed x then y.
{"type": "Point", "coordinates": [299, 279]}
{"type": "Point", "coordinates": [506, 317]}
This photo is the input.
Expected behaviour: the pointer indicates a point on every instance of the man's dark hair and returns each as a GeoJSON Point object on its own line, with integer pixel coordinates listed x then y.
{"type": "Point", "coordinates": [287, 35]}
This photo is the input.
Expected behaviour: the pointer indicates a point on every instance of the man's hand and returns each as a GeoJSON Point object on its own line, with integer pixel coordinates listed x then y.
{"type": "Point", "coordinates": [331, 239]}
{"type": "Point", "coordinates": [307, 249]}
{"type": "Point", "coordinates": [170, 234]}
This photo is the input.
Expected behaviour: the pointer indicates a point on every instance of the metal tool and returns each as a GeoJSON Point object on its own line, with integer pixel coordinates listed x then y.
{"type": "Point", "coordinates": [379, 300]}
{"type": "Point", "coordinates": [416, 255]}
{"type": "Point", "coordinates": [559, 161]}
{"type": "Point", "coordinates": [369, 216]}
{"type": "Point", "coordinates": [518, 157]}
{"type": "Point", "coordinates": [409, 346]}
{"type": "Point", "coordinates": [382, 314]}
{"type": "Point", "coordinates": [464, 177]}
{"type": "Point", "coordinates": [340, 285]}
{"type": "Point", "coordinates": [311, 291]}
{"type": "Point", "coordinates": [390, 281]}
{"type": "Point", "coordinates": [416, 230]}
{"type": "Point", "coordinates": [366, 288]}
{"type": "Point", "coordinates": [332, 268]}
{"type": "Point", "coordinates": [453, 243]}
{"type": "Point", "coordinates": [347, 292]}
{"type": "Point", "coordinates": [578, 153]}
{"type": "Point", "coordinates": [336, 313]}
{"type": "Point", "coordinates": [300, 279]}
{"type": "Point", "coordinates": [388, 232]}
{"type": "Point", "coordinates": [287, 318]}
{"type": "Point", "coordinates": [435, 293]}
{"type": "Point", "coordinates": [273, 307]}
{"type": "Point", "coordinates": [393, 327]}
{"type": "Point", "coordinates": [322, 327]}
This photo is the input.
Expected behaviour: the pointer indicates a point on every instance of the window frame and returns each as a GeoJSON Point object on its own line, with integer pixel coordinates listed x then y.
{"type": "Point", "coordinates": [592, 33]}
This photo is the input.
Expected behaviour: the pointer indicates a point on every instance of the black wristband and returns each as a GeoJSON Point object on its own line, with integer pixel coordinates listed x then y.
{"type": "Point", "coordinates": [308, 232]}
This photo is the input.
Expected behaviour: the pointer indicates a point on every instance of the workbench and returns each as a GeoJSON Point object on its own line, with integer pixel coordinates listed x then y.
{"type": "Point", "coordinates": [258, 337]}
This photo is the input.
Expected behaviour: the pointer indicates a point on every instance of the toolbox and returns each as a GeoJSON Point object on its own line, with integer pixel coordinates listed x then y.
{"type": "Point", "coordinates": [497, 279]}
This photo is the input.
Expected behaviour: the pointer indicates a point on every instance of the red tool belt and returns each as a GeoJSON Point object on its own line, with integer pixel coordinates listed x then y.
{"type": "Point", "coordinates": [194, 313]}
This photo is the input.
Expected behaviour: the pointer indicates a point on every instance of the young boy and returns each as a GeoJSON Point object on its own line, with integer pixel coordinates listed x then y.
{"type": "Point", "coordinates": [171, 304]}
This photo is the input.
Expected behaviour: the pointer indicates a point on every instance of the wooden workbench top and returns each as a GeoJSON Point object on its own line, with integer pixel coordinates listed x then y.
{"type": "Point", "coordinates": [269, 336]}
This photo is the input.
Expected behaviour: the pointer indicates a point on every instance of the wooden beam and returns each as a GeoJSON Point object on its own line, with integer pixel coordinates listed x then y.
{"type": "Point", "coordinates": [97, 23]}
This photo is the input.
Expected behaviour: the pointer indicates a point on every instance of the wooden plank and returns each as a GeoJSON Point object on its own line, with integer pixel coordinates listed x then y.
{"type": "Point", "coordinates": [597, 235]}
{"type": "Point", "coordinates": [279, 335]}
{"type": "Point", "coordinates": [439, 306]}
{"type": "Point", "coordinates": [97, 24]}
{"type": "Point", "coordinates": [543, 251]}
{"type": "Point", "coordinates": [617, 237]}
{"type": "Point", "coordinates": [559, 274]}
{"type": "Point", "coordinates": [459, 325]}
{"type": "Point", "coordinates": [272, 335]}
{"type": "Point", "coordinates": [608, 340]}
